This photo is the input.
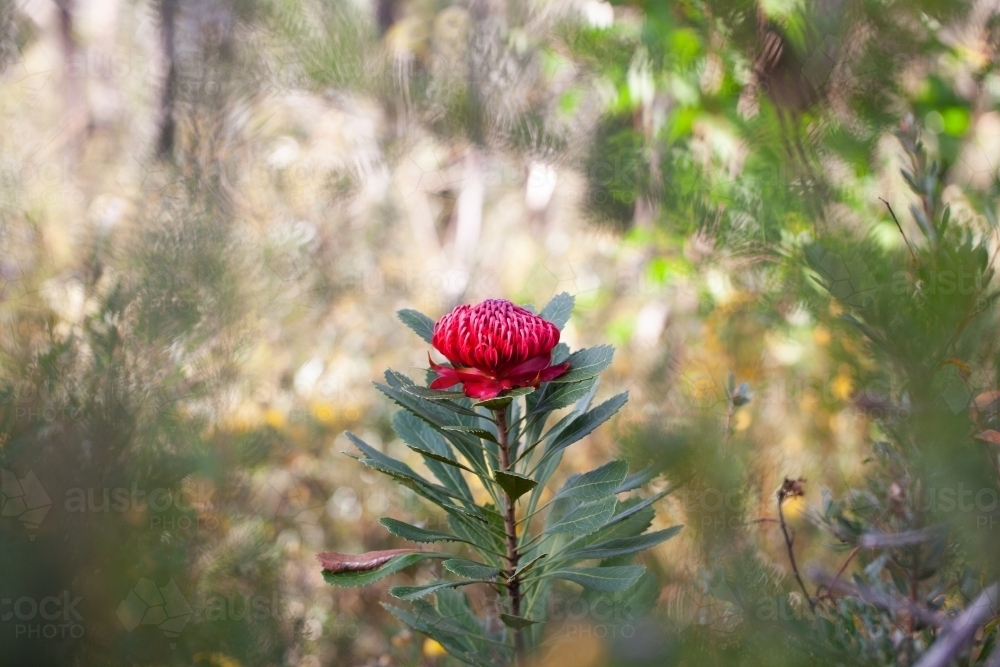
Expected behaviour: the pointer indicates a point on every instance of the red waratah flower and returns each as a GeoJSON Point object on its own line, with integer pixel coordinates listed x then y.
{"type": "Point", "coordinates": [494, 346]}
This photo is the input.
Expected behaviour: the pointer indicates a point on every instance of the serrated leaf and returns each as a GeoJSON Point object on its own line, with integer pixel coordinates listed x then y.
{"type": "Point", "coordinates": [584, 424]}
{"type": "Point", "coordinates": [478, 432]}
{"type": "Point", "coordinates": [585, 519]}
{"type": "Point", "coordinates": [439, 457]}
{"type": "Point", "coordinates": [415, 533]}
{"type": "Point", "coordinates": [558, 309]}
{"type": "Point", "coordinates": [469, 647]}
{"type": "Point", "coordinates": [434, 414]}
{"type": "Point", "coordinates": [403, 394]}
{"type": "Point", "coordinates": [556, 396]}
{"type": "Point", "coordinates": [513, 484]}
{"type": "Point", "coordinates": [632, 518]}
{"type": "Point", "coordinates": [417, 592]}
{"type": "Point", "coordinates": [603, 579]}
{"type": "Point", "coordinates": [503, 400]}
{"type": "Point", "coordinates": [391, 566]}
{"type": "Point", "coordinates": [516, 622]}
{"type": "Point", "coordinates": [444, 399]}
{"type": "Point", "coordinates": [638, 479]}
{"type": "Point", "coordinates": [625, 545]}
{"type": "Point", "coordinates": [421, 325]}
{"type": "Point", "coordinates": [470, 569]}
{"type": "Point", "coordinates": [337, 562]}
{"type": "Point", "coordinates": [527, 567]}
{"type": "Point", "coordinates": [415, 431]}
{"type": "Point", "coordinates": [429, 394]}
{"type": "Point", "coordinates": [587, 363]}
{"type": "Point", "coordinates": [596, 484]}
{"type": "Point", "coordinates": [396, 468]}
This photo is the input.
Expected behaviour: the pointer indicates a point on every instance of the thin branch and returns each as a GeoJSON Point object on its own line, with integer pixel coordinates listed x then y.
{"type": "Point", "coordinates": [789, 541]}
{"type": "Point", "coordinates": [836, 578]}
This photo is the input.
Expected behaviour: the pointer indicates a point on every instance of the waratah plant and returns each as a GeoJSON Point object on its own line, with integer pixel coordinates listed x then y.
{"type": "Point", "coordinates": [499, 433]}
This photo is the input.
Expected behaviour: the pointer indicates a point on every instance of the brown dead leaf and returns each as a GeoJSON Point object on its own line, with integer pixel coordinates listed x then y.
{"type": "Point", "coordinates": [989, 435]}
{"type": "Point", "coordinates": [335, 562]}
{"type": "Point", "coordinates": [985, 399]}
{"type": "Point", "coordinates": [792, 488]}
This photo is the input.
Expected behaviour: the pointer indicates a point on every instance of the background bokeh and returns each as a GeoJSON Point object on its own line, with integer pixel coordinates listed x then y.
{"type": "Point", "coordinates": [211, 210]}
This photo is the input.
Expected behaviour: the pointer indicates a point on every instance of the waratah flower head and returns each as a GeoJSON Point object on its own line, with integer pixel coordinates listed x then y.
{"type": "Point", "coordinates": [494, 346]}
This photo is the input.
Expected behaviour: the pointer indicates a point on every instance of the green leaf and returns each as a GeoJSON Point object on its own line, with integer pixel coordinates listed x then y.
{"type": "Point", "coordinates": [625, 545]}
{"type": "Point", "coordinates": [417, 592]}
{"type": "Point", "coordinates": [437, 494]}
{"type": "Point", "coordinates": [347, 579]}
{"type": "Point", "coordinates": [478, 432]}
{"type": "Point", "coordinates": [582, 425]}
{"type": "Point", "coordinates": [516, 622]}
{"type": "Point", "coordinates": [555, 396]}
{"type": "Point", "coordinates": [451, 603]}
{"type": "Point", "coordinates": [637, 479]}
{"type": "Point", "coordinates": [527, 568]}
{"type": "Point", "coordinates": [429, 394]}
{"type": "Point", "coordinates": [515, 485]}
{"type": "Point", "coordinates": [585, 364]}
{"type": "Point", "coordinates": [439, 457]}
{"type": "Point", "coordinates": [596, 484]}
{"type": "Point", "coordinates": [445, 399]}
{"type": "Point", "coordinates": [434, 414]}
{"type": "Point", "coordinates": [470, 569]}
{"type": "Point", "coordinates": [421, 325]}
{"type": "Point", "coordinates": [460, 640]}
{"type": "Point", "coordinates": [603, 579]}
{"type": "Point", "coordinates": [559, 309]}
{"type": "Point", "coordinates": [415, 533]}
{"type": "Point", "coordinates": [504, 399]}
{"type": "Point", "coordinates": [415, 431]}
{"type": "Point", "coordinates": [632, 517]}
{"type": "Point", "coordinates": [396, 468]}
{"type": "Point", "coordinates": [585, 519]}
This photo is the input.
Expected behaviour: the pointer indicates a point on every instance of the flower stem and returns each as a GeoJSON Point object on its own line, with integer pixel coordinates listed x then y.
{"type": "Point", "coordinates": [510, 529]}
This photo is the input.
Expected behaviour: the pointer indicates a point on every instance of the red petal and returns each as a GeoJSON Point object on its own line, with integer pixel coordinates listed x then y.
{"type": "Point", "coordinates": [529, 367]}
{"type": "Point", "coordinates": [444, 382]}
{"type": "Point", "coordinates": [482, 390]}
{"type": "Point", "coordinates": [552, 372]}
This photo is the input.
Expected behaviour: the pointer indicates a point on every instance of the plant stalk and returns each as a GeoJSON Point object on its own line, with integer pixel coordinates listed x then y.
{"type": "Point", "coordinates": [789, 542]}
{"type": "Point", "coordinates": [510, 529]}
